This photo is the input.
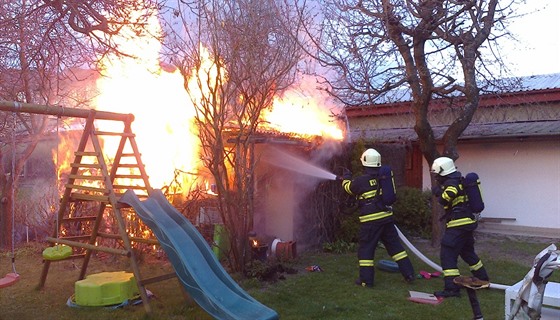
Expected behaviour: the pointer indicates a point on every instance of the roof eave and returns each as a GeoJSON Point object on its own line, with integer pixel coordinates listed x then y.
{"type": "Point", "coordinates": [487, 100]}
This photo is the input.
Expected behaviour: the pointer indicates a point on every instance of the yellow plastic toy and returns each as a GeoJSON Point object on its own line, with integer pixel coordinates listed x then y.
{"type": "Point", "coordinates": [57, 252]}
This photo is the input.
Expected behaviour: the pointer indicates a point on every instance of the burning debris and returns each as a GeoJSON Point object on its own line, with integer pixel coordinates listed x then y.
{"type": "Point", "coordinates": [270, 262]}
{"type": "Point", "coordinates": [274, 250]}
{"type": "Point", "coordinates": [259, 251]}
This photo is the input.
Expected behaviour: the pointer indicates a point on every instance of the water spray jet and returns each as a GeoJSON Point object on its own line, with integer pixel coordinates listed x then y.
{"type": "Point", "coordinates": [292, 163]}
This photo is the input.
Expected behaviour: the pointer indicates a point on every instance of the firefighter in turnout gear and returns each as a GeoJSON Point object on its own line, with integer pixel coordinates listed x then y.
{"type": "Point", "coordinates": [376, 218]}
{"type": "Point", "coordinates": [458, 238]}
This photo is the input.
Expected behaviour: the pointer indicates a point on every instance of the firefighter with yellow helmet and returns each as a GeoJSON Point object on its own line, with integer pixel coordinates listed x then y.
{"type": "Point", "coordinates": [458, 239]}
{"type": "Point", "coordinates": [375, 193]}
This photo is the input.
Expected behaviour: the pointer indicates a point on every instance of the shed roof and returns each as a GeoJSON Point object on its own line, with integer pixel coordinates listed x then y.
{"type": "Point", "coordinates": [524, 129]}
{"type": "Point", "coordinates": [275, 137]}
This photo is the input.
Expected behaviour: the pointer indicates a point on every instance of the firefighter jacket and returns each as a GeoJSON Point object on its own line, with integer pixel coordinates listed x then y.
{"type": "Point", "coordinates": [454, 201]}
{"type": "Point", "coordinates": [368, 191]}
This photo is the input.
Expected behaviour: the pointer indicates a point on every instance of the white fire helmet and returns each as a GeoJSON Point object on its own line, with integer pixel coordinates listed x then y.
{"type": "Point", "coordinates": [371, 158]}
{"type": "Point", "coordinates": [443, 166]}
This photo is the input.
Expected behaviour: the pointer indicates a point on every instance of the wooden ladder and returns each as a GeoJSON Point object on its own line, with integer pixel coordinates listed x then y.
{"type": "Point", "coordinates": [92, 187]}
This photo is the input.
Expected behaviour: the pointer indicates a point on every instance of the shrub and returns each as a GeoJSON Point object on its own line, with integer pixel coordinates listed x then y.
{"type": "Point", "coordinates": [349, 225]}
{"type": "Point", "coordinates": [269, 270]}
{"type": "Point", "coordinates": [412, 211]}
{"type": "Point", "coordinates": [340, 246]}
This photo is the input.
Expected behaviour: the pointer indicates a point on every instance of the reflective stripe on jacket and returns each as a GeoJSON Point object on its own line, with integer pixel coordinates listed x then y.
{"type": "Point", "coordinates": [367, 191]}
{"type": "Point", "coordinates": [454, 201]}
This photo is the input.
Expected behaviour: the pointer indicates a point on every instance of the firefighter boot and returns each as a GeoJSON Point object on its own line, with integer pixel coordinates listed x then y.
{"type": "Point", "coordinates": [367, 276]}
{"type": "Point", "coordinates": [363, 284]}
{"type": "Point", "coordinates": [450, 289]}
{"type": "Point", "coordinates": [448, 293]}
{"type": "Point", "coordinates": [410, 278]}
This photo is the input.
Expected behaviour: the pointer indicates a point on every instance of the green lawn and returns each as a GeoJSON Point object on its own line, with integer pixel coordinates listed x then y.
{"type": "Point", "coordinates": [330, 294]}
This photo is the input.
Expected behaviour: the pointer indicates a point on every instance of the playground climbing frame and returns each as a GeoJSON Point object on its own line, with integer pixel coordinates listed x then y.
{"type": "Point", "coordinates": [96, 182]}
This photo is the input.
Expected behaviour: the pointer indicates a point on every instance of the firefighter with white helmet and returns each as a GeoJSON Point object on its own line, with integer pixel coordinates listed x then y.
{"type": "Point", "coordinates": [458, 239]}
{"type": "Point", "coordinates": [375, 193]}
{"type": "Point", "coordinates": [443, 166]}
{"type": "Point", "coordinates": [371, 158]}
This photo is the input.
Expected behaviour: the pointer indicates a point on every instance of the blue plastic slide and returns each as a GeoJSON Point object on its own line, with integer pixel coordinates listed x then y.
{"type": "Point", "coordinates": [196, 266]}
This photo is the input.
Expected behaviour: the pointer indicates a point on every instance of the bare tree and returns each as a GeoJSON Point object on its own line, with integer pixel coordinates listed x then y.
{"type": "Point", "coordinates": [42, 46]}
{"type": "Point", "coordinates": [234, 56]}
{"type": "Point", "coordinates": [388, 51]}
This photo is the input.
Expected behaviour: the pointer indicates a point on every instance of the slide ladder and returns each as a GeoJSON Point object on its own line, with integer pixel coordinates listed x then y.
{"type": "Point", "coordinates": [94, 186]}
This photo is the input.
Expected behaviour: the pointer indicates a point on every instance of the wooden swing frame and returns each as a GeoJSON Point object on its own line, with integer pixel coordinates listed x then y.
{"type": "Point", "coordinates": [105, 197]}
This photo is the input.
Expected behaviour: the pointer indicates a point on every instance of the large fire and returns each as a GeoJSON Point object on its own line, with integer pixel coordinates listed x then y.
{"type": "Point", "coordinates": [164, 113]}
{"type": "Point", "coordinates": [303, 110]}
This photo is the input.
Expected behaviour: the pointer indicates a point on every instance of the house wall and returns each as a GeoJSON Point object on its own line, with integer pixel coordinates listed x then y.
{"type": "Point", "coordinates": [520, 180]}
{"type": "Point", "coordinates": [279, 208]}
{"type": "Point", "coordinates": [275, 199]}
{"type": "Point", "coordinates": [287, 205]}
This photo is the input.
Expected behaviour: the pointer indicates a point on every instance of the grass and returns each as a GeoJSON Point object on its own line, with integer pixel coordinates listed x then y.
{"type": "Point", "coordinates": [330, 294]}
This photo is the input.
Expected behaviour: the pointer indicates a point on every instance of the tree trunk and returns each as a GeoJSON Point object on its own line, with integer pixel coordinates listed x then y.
{"type": "Point", "coordinates": [437, 223]}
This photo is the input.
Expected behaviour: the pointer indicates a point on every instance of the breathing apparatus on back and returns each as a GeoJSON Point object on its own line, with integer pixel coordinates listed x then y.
{"type": "Point", "coordinates": [372, 158]}
{"type": "Point", "coordinates": [444, 166]}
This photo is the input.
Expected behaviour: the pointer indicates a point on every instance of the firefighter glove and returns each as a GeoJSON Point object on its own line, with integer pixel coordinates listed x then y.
{"type": "Point", "coordinates": [346, 174]}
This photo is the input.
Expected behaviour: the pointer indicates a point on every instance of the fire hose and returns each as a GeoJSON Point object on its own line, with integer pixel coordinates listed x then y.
{"type": "Point", "coordinates": [434, 265]}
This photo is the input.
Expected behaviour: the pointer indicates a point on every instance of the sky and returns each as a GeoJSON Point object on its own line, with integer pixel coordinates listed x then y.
{"type": "Point", "coordinates": [538, 49]}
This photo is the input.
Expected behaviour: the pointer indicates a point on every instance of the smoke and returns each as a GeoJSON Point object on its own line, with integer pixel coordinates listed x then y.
{"type": "Point", "coordinates": [293, 163]}
{"type": "Point", "coordinates": [294, 174]}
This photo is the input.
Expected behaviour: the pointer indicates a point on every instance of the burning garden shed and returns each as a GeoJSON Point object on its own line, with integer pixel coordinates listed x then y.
{"type": "Point", "coordinates": [288, 171]}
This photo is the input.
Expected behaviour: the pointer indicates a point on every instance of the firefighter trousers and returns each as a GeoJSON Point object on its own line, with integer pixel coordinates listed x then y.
{"type": "Point", "coordinates": [457, 243]}
{"type": "Point", "coordinates": [370, 234]}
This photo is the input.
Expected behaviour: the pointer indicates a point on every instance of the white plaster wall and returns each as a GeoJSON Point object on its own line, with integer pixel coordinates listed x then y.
{"type": "Point", "coordinates": [520, 180]}
{"type": "Point", "coordinates": [280, 207]}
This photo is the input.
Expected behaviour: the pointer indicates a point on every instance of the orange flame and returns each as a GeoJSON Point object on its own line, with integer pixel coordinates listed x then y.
{"type": "Point", "coordinates": [62, 155]}
{"type": "Point", "coordinates": [162, 109]}
{"type": "Point", "coordinates": [164, 113]}
{"type": "Point", "coordinates": [303, 110]}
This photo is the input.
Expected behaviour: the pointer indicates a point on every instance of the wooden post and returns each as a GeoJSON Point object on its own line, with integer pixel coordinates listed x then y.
{"type": "Point", "coordinates": [108, 194]}
{"type": "Point", "coordinates": [62, 111]}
